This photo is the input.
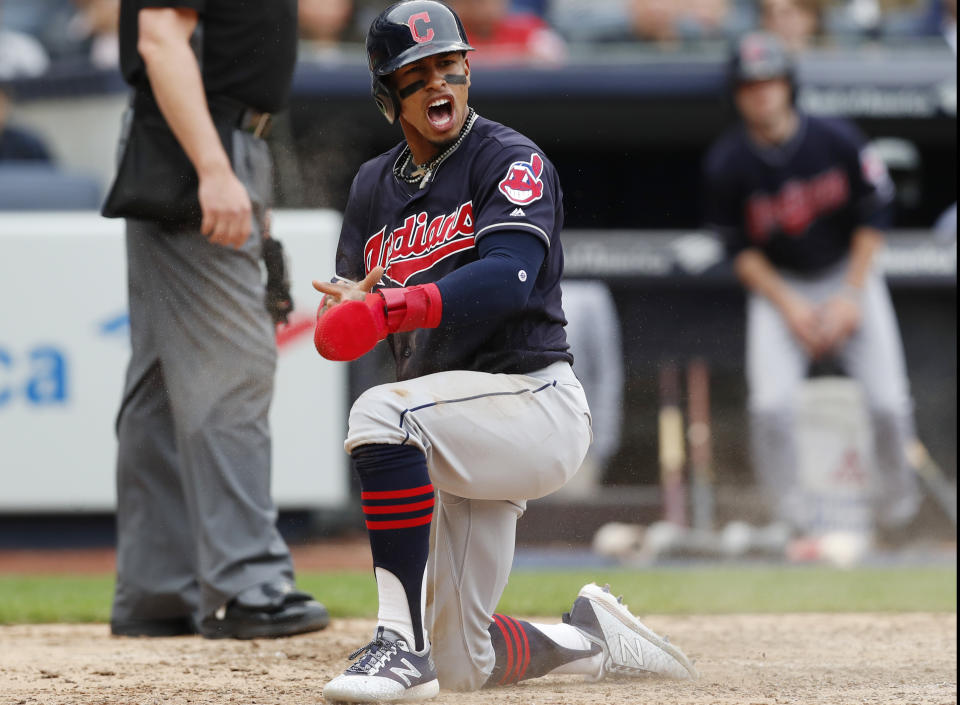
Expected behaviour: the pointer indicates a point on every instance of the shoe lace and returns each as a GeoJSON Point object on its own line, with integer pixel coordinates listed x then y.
{"type": "Point", "coordinates": [377, 653]}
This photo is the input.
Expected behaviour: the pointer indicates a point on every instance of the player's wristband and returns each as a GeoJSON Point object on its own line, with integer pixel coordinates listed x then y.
{"type": "Point", "coordinates": [412, 307]}
{"type": "Point", "coordinates": [351, 328]}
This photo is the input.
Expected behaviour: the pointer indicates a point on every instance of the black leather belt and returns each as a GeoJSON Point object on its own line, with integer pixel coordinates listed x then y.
{"type": "Point", "coordinates": [224, 111]}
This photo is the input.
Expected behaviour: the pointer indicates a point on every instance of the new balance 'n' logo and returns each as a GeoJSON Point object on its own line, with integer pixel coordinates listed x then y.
{"type": "Point", "coordinates": [625, 649]}
{"type": "Point", "coordinates": [410, 670]}
{"type": "Point", "coordinates": [517, 212]}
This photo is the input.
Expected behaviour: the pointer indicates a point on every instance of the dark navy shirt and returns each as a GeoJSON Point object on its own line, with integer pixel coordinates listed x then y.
{"type": "Point", "coordinates": [800, 202]}
{"type": "Point", "coordinates": [495, 181]}
{"type": "Point", "coordinates": [249, 47]}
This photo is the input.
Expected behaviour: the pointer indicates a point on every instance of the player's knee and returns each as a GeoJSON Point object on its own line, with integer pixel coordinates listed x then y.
{"type": "Point", "coordinates": [889, 424]}
{"type": "Point", "coordinates": [456, 667]}
{"type": "Point", "coordinates": [461, 682]}
{"type": "Point", "coordinates": [891, 402]}
{"type": "Point", "coordinates": [771, 403]}
{"type": "Point", "coordinates": [377, 416]}
{"type": "Point", "coordinates": [568, 462]}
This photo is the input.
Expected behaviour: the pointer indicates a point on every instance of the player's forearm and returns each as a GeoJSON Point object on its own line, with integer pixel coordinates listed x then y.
{"type": "Point", "coordinates": [488, 289]}
{"type": "Point", "coordinates": [756, 274]}
{"type": "Point", "coordinates": [164, 44]}
{"type": "Point", "coordinates": [863, 248]}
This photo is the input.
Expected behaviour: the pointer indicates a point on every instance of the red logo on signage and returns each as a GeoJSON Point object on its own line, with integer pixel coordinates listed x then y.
{"type": "Point", "coordinates": [416, 246]}
{"type": "Point", "coordinates": [423, 17]}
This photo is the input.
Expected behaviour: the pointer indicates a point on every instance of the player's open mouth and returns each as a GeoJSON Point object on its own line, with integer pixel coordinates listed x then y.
{"type": "Point", "coordinates": [440, 114]}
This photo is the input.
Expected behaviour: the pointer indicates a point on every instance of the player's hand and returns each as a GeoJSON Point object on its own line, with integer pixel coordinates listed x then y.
{"type": "Point", "coordinates": [345, 290]}
{"type": "Point", "coordinates": [839, 317]}
{"type": "Point", "coordinates": [225, 205]}
{"type": "Point", "coordinates": [351, 328]}
{"type": "Point", "coordinates": [804, 323]}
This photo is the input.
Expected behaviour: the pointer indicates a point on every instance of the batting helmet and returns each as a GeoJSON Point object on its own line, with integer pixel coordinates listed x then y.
{"type": "Point", "coordinates": [759, 57]}
{"type": "Point", "coordinates": [406, 32]}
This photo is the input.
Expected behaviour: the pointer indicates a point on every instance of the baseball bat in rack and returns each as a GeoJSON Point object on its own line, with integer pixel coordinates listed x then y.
{"type": "Point", "coordinates": [941, 488]}
{"type": "Point", "coordinates": [699, 440]}
{"type": "Point", "coordinates": [672, 449]}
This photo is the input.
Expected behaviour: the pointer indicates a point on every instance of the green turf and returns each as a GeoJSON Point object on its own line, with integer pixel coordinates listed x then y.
{"type": "Point", "coordinates": [700, 590]}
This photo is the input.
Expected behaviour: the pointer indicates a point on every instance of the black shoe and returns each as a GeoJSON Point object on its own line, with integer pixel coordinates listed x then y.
{"type": "Point", "coordinates": [174, 626]}
{"type": "Point", "coordinates": [264, 612]}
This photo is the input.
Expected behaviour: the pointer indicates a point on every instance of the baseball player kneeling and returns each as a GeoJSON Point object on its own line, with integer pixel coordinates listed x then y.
{"type": "Point", "coordinates": [450, 249]}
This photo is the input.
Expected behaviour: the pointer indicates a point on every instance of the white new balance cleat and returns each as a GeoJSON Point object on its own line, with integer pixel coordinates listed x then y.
{"type": "Point", "coordinates": [389, 672]}
{"type": "Point", "coordinates": [629, 648]}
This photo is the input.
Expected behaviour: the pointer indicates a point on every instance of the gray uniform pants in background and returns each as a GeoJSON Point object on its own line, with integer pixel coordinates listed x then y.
{"type": "Point", "coordinates": [873, 356]}
{"type": "Point", "coordinates": [195, 519]}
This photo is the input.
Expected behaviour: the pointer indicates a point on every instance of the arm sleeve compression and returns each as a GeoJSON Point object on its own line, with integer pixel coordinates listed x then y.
{"type": "Point", "coordinates": [496, 285]}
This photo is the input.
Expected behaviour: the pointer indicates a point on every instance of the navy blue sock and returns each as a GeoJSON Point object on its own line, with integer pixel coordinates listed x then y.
{"type": "Point", "coordinates": [524, 652]}
{"type": "Point", "coordinates": [397, 498]}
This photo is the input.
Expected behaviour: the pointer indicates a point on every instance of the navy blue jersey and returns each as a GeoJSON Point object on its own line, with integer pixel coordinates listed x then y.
{"type": "Point", "coordinates": [799, 202]}
{"type": "Point", "coordinates": [494, 180]}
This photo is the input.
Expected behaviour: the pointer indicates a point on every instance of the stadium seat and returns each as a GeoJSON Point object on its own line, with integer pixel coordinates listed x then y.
{"type": "Point", "coordinates": [31, 186]}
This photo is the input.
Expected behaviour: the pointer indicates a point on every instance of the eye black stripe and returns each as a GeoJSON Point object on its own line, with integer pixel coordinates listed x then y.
{"type": "Point", "coordinates": [411, 89]}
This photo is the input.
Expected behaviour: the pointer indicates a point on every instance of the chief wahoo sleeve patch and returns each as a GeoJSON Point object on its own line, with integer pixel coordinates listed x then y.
{"type": "Point", "coordinates": [522, 184]}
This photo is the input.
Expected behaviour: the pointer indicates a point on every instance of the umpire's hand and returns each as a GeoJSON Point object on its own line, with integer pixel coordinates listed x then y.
{"type": "Point", "coordinates": [225, 204]}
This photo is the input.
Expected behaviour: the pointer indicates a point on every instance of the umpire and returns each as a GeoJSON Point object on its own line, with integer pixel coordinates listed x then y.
{"type": "Point", "coordinates": [198, 549]}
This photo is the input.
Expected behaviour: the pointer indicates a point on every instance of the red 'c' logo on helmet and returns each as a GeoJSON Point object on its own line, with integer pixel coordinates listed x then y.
{"type": "Point", "coordinates": [412, 24]}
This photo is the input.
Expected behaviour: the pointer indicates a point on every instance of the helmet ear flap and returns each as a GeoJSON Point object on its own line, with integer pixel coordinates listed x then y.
{"type": "Point", "coordinates": [385, 99]}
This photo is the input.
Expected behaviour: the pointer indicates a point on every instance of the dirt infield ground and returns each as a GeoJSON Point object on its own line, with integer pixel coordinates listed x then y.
{"type": "Point", "coordinates": [744, 660]}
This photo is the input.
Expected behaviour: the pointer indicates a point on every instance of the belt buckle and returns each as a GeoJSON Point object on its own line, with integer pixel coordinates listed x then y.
{"type": "Point", "coordinates": [261, 125]}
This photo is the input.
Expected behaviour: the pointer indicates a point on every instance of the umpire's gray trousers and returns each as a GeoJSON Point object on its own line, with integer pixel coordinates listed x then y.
{"type": "Point", "coordinates": [195, 519]}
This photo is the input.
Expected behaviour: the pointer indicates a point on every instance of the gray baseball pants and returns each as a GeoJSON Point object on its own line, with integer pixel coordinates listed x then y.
{"type": "Point", "coordinates": [873, 355]}
{"type": "Point", "coordinates": [492, 441]}
{"type": "Point", "coordinates": [195, 519]}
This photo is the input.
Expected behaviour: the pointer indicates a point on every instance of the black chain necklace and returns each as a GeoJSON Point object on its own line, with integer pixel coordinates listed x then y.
{"type": "Point", "coordinates": [406, 170]}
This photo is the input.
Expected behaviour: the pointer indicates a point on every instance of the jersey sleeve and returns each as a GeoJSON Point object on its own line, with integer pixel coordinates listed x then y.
{"type": "Point", "coordinates": [723, 203]}
{"type": "Point", "coordinates": [350, 248]}
{"type": "Point", "coordinates": [517, 190]}
{"type": "Point", "coordinates": [871, 187]}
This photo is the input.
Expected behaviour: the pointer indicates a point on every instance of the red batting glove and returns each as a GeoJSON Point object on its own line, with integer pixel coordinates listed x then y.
{"type": "Point", "coordinates": [351, 329]}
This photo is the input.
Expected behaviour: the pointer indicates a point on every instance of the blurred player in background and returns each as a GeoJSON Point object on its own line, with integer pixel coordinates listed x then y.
{"type": "Point", "coordinates": [18, 144]}
{"type": "Point", "coordinates": [593, 331]}
{"type": "Point", "coordinates": [458, 230]}
{"type": "Point", "coordinates": [803, 206]}
{"type": "Point", "coordinates": [197, 545]}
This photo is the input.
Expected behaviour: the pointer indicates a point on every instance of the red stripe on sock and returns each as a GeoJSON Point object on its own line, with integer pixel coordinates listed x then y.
{"type": "Point", "coordinates": [516, 639]}
{"type": "Point", "coordinates": [398, 494]}
{"type": "Point", "coordinates": [399, 508]}
{"type": "Point", "coordinates": [509, 643]}
{"type": "Point", "coordinates": [522, 670]}
{"type": "Point", "coordinates": [399, 523]}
